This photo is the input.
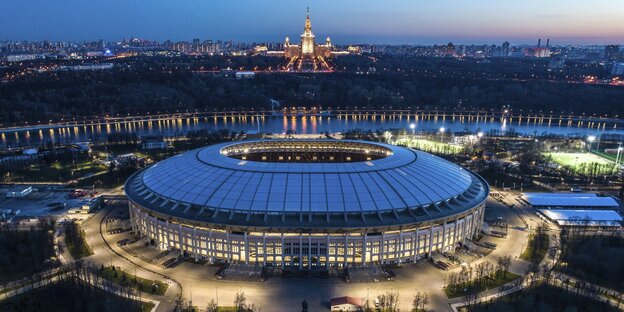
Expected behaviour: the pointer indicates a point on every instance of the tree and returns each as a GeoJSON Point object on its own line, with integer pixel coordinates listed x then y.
{"type": "Point", "coordinates": [416, 302]}
{"type": "Point", "coordinates": [212, 306]}
{"type": "Point", "coordinates": [240, 302]}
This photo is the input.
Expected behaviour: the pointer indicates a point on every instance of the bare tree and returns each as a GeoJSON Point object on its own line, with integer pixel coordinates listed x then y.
{"type": "Point", "coordinates": [417, 301]}
{"type": "Point", "coordinates": [240, 302]}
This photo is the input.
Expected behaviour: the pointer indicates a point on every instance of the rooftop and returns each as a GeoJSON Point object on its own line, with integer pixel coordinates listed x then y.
{"type": "Point", "coordinates": [205, 183]}
{"type": "Point", "coordinates": [569, 200]}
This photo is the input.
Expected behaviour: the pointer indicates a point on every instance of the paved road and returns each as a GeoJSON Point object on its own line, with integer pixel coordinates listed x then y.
{"type": "Point", "coordinates": [290, 292]}
{"type": "Point", "coordinates": [104, 255]}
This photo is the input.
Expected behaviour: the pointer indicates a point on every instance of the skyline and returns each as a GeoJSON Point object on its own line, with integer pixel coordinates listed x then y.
{"type": "Point", "coordinates": [345, 22]}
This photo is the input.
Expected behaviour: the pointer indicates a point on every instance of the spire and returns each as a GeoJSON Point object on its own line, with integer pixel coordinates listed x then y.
{"type": "Point", "coordinates": [308, 24]}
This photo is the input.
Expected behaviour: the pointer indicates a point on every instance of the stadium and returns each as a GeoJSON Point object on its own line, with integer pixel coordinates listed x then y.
{"type": "Point", "coordinates": [306, 203]}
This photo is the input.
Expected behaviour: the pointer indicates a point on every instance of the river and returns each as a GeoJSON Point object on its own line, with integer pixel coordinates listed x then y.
{"type": "Point", "coordinates": [306, 125]}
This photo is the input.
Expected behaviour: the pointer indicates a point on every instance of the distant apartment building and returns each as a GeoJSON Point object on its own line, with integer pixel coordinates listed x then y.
{"type": "Point", "coordinates": [617, 69]}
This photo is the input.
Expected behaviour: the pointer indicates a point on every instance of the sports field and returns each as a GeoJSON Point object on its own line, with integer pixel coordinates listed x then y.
{"type": "Point", "coordinates": [585, 163]}
{"type": "Point", "coordinates": [430, 146]}
{"type": "Point", "coordinates": [572, 159]}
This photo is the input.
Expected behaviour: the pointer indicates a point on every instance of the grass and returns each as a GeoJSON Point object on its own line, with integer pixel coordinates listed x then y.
{"type": "Point", "coordinates": [226, 309]}
{"type": "Point", "coordinates": [110, 179]}
{"type": "Point", "coordinates": [495, 280]}
{"type": "Point", "coordinates": [536, 250]}
{"type": "Point", "coordinates": [147, 306]}
{"type": "Point", "coordinates": [431, 146]}
{"type": "Point", "coordinates": [610, 157]}
{"type": "Point", "coordinates": [583, 162]}
{"type": "Point", "coordinates": [76, 243]}
{"type": "Point", "coordinates": [56, 171]}
{"type": "Point", "coordinates": [145, 285]}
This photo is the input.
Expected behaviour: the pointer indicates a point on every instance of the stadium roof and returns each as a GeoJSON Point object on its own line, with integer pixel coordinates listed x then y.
{"type": "Point", "coordinates": [570, 200]}
{"type": "Point", "coordinates": [583, 217]}
{"type": "Point", "coordinates": [204, 183]}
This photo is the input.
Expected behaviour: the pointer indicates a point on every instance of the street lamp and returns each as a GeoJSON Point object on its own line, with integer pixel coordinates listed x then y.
{"type": "Point", "coordinates": [413, 127]}
{"type": "Point", "coordinates": [480, 134]}
{"type": "Point", "coordinates": [442, 129]}
{"type": "Point", "coordinates": [591, 139]}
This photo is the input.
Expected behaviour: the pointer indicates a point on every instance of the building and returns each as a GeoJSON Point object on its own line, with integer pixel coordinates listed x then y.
{"type": "Point", "coordinates": [617, 69]}
{"type": "Point", "coordinates": [245, 75]}
{"type": "Point", "coordinates": [19, 191]}
{"type": "Point", "coordinates": [612, 53]}
{"type": "Point", "coordinates": [87, 206]}
{"type": "Point", "coordinates": [344, 304]}
{"type": "Point", "coordinates": [306, 203]}
{"type": "Point", "coordinates": [587, 218]}
{"type": "Point", "coordinates": [307, 56]}
{"type": "Point", "coordinates": [153, 142]}
{"type": "Point", "coordinates": [539, 51]}
{"type": "Point", "coordinates": [569, 201]}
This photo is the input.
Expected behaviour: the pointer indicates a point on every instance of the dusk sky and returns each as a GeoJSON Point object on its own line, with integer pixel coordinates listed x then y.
{"type": "Point", "coordinates": [345, 21]}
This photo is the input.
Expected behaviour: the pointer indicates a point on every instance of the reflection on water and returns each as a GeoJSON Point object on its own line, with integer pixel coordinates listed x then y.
{"type": "Point", "coordinates": [307, 125]}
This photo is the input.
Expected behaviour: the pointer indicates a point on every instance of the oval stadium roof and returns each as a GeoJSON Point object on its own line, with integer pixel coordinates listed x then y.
{"type": "Point", "coordinates": [203, 183]}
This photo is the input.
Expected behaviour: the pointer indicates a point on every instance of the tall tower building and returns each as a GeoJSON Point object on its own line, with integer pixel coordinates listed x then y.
{"type": "Point", "coordinates": [307, 38]}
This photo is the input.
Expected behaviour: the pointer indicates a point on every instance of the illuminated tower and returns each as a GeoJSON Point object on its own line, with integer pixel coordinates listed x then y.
{"type": "Point", "coordinates": [307, 38]}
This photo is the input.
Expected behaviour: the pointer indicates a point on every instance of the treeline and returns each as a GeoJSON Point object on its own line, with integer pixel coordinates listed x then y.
{"type": "Point", "coordinates": [596, 259]}
{"type": "Point", "coordinates": [542, 298]}
{"type": "Point", "coordinates": [153, 85]}
{"type": "Point", "coordinates": [26, 252]}
{"type": "Point", "coordinates": [81, 288]}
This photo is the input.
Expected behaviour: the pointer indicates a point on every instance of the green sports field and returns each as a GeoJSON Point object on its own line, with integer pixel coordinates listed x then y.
{"type": "Point", "coordinates": [585, 163]}
{"type": "Point", "coordinates": [430, 146]}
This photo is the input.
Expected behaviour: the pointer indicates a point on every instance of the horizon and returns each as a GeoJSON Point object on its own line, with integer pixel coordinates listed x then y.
{"type": "Point", "coordinates": [345, 23]}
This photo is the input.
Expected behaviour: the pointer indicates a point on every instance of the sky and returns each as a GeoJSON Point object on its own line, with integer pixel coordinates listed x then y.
{"type": "Point", "coordinates": [345, 21]}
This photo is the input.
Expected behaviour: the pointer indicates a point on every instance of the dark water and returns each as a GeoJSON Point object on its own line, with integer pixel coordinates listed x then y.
{"type": "Point", "coordinates": [303, 125]}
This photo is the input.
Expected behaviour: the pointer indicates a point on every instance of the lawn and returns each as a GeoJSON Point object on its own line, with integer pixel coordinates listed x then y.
{"type": "Point", "coordinates": [110, 179]}
{"type": "Point", "coordinates": [536, 249]}
{"type": "Point", "coordinates": [120, 277]}
{"type": "Point", "coordinates": [610, 156]}
{"type": "Point", "coordinates": [585, 163]}
{"type": "Point", "coordinates": [56, 171]}
{"type": "Point", "coordinates": [489, 282]}
{"type": "Point", "coordinates": [430, 146]}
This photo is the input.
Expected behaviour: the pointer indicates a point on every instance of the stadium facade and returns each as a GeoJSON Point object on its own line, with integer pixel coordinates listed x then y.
{"type": "Point", "coordinates": [306, 203]}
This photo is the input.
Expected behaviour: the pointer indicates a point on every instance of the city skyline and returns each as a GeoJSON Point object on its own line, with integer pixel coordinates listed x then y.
{"type": "Point", "coordinates": [569, 22]}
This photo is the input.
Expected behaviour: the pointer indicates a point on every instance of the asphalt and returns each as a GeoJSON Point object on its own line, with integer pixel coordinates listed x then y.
{"type": "Point", "coordinates": [286, 294]}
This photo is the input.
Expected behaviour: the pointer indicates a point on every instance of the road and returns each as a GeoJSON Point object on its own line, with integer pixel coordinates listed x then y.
{"type": "Point", "coordinates": [288, 293]}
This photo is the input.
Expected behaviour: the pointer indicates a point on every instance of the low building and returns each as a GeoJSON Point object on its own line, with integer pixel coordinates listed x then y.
{"type": "Point", "coordinates": [346, 304]}
{"type": "Point", "coordinates": [31, 152]}
{"type": "Point", "coordinates": [19, 191]}
{"type": "Point", "coordinates": [254, 135]}
{"type": "Point", "coordinates": [580, 217]}
{"type": "Point", "coordinates": [569, 201]}
{"type": "Point", "coordinates": [87, 206]}
{"type": "Point", "coordinates": [153, 142]}
{"type": "Point", "coordinates": [245, 75]}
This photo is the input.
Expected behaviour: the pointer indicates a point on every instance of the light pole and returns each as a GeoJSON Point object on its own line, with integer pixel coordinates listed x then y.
{"type": "Point", "coordinates": [591, 139]}
{"type": "Point", "coordinates": [618, 156]}
{"type": "Point", "coordinates": [413, 127]}
{"type": "Point", "coordinates": [442, 130]}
